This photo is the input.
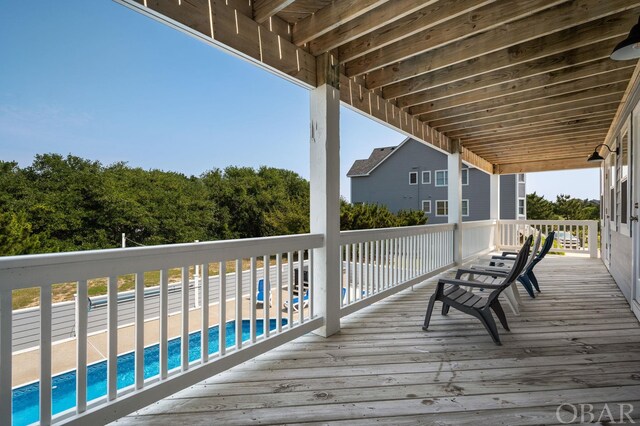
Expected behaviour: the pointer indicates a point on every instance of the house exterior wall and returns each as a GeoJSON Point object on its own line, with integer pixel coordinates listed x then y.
{"type": "Point", "coordinates": [617, 246]}
{"type": "Point", "coordinates": [388, 184]}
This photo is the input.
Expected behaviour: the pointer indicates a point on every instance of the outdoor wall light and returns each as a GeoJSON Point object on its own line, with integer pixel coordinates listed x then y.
{"type": "Point", "coordinates": [597, 157]}
{"type": "Point", "coordinates": [628, 48]}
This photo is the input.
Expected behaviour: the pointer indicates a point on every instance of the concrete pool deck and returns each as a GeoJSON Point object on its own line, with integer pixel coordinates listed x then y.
{"type": "Point", "coordinates": [26, 364]}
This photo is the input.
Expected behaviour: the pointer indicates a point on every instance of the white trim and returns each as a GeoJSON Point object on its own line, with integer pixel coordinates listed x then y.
{"type": "Point", "coordinates": [416, 175]}
{"type": "Point", "coordinates": [435, 180]}
{"type": "Point", "coordinates": [428, 181]}
{"type": "Point", "coordinates": [524, 206]}
{"type": "Point", "coordinates": [468, 207]}
{"type": "Point", "coordinates": [446, 208]}
{"type": "Point", "coordinates": [624, 228]}
{"type": "Point", "coordinates": [428, 203]}
{"type": "Point", "coordinates": [463, 175]}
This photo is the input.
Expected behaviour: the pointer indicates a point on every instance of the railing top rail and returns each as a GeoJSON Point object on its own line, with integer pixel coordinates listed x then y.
{"type": "Point", "coordinates": [41, 269]}
{"type": "Point", "coordinates": [350, 237]}
{"type": "Point", "coordinates": [478, 224]}
{"type": "Point", "coordinates": [548, 222]}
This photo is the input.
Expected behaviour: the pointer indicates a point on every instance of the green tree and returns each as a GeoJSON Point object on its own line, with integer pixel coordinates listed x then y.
{"type": "Point", "coordinates": [16, 236]}
{"type": "Point", "coordinates": [539, 208]}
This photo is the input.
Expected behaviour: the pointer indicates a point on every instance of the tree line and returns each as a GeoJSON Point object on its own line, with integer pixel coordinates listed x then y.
{"type": "Point", "coordinates": [70, 203]}
{"type": "Point", "coordinates": [564, 208]}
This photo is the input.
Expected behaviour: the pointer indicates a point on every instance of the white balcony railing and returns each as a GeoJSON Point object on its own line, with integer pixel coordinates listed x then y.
{"type": "Point", "coordinates": [478, 238]}
{"type": "Point", "coordinates": [379, 262]}
{"type": "Point", "coordinates": [571, 236]}
{"type": "Point", "coordinates": [165, 314]}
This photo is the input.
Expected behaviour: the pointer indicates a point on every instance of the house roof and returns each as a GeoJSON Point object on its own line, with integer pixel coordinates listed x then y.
{"type": "Point", "coordinates": [364, 167]}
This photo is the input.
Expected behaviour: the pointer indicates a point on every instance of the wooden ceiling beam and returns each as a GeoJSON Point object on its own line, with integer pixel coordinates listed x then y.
{"type": "Point", "coordinates": [421, 20]}
{"type": "Point", "coordinates": [384, 15]}
{"type": "Point", "coordinates": [538, 82]}
{"type": "Point", "coordinates": [544, 153]}
{"type": "Point", "coordinates": [560, 111]}
{"type": "Point", "coordinates": [532, 126]}
{"type": "Point", "coordinates": [515, 136]}
{"type": "Point", "coordinates": [366, 101]}
{"type": "Point", "coordinates": [573, 30]}
{"type": "Point", "coordinates": [494, 152]}
{"type": "Point", "coordinates": [503, 65]}
{"type": "Point", "coordinates": [265, 9]}
{"type": "Point", "coordinates": [503, 143]}
{"type": "Point", "coordinates": [487, 19]}
{"type": "Point", "coordinates": [492, 109]}
{"type": "Point", "coordinates": [498, 96]}
{"type": "Point", "coordinates": [566, 163]}
{"type": "Point", "coordinates": [502, 148]}
{"type": "Point", "coordinates": [549, 64]}
{"type": "Point", "coordinates": [331, 17]}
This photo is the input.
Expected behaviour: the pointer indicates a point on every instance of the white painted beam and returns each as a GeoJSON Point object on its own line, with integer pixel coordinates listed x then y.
{"type": "Point", "coordinates": [454, 191]}
{"type": "Point", "coordinates": [325, 204]}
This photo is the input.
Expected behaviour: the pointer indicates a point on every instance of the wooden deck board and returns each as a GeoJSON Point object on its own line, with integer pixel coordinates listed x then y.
{"type": "Point", "coordinates": [577, 342]}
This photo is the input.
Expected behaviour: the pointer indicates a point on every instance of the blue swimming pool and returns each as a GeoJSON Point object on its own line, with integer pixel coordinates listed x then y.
{"type": "Point", "coordinates": [26, 399]}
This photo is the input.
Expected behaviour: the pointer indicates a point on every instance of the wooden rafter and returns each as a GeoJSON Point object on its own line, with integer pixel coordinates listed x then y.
{"type": "Point", "coordinates": [536, 54]}
{"type": "Point", "coordinates": [423, 19]}
{"type": "Point", "coordinates": [500, 81]}
{"type": "Point", "coordinates": [387, 13]}
{"type": "Point", "coordinates": [331, 17]}
{"type": "Point", "coordinates": [490, 17]}
{"type": "Point", "coordinates": [467, 112]}
{"type": "Point", "coordinates": [549, 21]}
{"type": "Point", "coordinates": [487, 99]}
{"type": "Point", "coordinates": [265, 9]}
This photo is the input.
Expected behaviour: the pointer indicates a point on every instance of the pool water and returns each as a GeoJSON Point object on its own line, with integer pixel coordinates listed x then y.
{"type": "Point", "coordinates": [26, 399]}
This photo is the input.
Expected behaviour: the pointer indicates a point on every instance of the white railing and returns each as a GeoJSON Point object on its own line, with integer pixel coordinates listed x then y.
{"type": "Point", "coordinates": [571, 236]}
{"type": "Point", "coordinates": [375, 264]}
{"type": "Point", "coordinates": [379, 262]}
{"type": "Point", "coordinates": [478, 238]}
{"type": "Point", "coordinates": [152, 326]}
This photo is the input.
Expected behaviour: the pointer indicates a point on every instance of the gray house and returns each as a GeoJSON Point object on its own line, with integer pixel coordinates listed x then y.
{"type": "Point", "coordinates": [413, 175]}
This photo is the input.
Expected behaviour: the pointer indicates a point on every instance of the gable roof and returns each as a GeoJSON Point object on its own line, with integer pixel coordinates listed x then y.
{"type": "Point", "coordinates": [378, 155]}
{"type": "Point", "coordinates": [364, 167]}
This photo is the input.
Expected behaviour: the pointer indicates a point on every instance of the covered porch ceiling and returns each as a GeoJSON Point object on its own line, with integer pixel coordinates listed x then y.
{"type": "Point", "coordinates": [515, 86]}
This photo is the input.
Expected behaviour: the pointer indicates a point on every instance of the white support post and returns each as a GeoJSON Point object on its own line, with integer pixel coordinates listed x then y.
{"type": "Point", "coordinates": [593, 239]}
{"type": "Point", "coordinates": [325, 204]}
{"type": "Point", "coordinates": [454, 190]}
{"type": "Point", "coordinates": [494, 206]}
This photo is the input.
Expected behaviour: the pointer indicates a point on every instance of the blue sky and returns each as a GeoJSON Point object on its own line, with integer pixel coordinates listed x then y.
{"type": "Point", "coordinates": [97, 80]}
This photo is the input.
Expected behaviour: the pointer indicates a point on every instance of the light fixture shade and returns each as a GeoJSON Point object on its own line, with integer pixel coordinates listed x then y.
{"type": "Point", "coordinates": [628, 48]}
{"type": "Point", "coordinates": [595, 157]}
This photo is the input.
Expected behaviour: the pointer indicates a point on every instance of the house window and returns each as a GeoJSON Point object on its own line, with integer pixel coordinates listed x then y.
{"type": "Point", "coordinates": [413, 178]}
{"type": "Point", "coordinates": [465, 176]}
{"type": "Point", "coordinates": [622, 183]}
{"type": "Point", "coordinates": [442, 208]}
{"type": "Point", "coordinates": [426, 177]}
{"type": "Point", "coordinates": [442, 177]}
{"type": "Point", "coordinates": [521, 177]}
{"type": "Point", "coordinates": [426, 206]}
{"type": "Point", "coordinates": [465, 207]}
{"type": "Point", "coordinates": [521, 207]}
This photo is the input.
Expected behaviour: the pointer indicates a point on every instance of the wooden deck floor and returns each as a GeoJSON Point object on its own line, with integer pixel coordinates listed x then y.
{"type": "Point", "coordinates": [576, 343]}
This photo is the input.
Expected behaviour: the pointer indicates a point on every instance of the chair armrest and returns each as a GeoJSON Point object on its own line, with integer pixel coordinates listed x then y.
{"type": "Point", "coordinates": [505, 258]}
{"type": "Point", "coordinates": [507, 253]}
{"type": "Point", "coordinates": [463, 271]}
{"type": "Point", "coordinates": [496, 269]}
{"type": "Point", "coordinates": [466, 283]}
